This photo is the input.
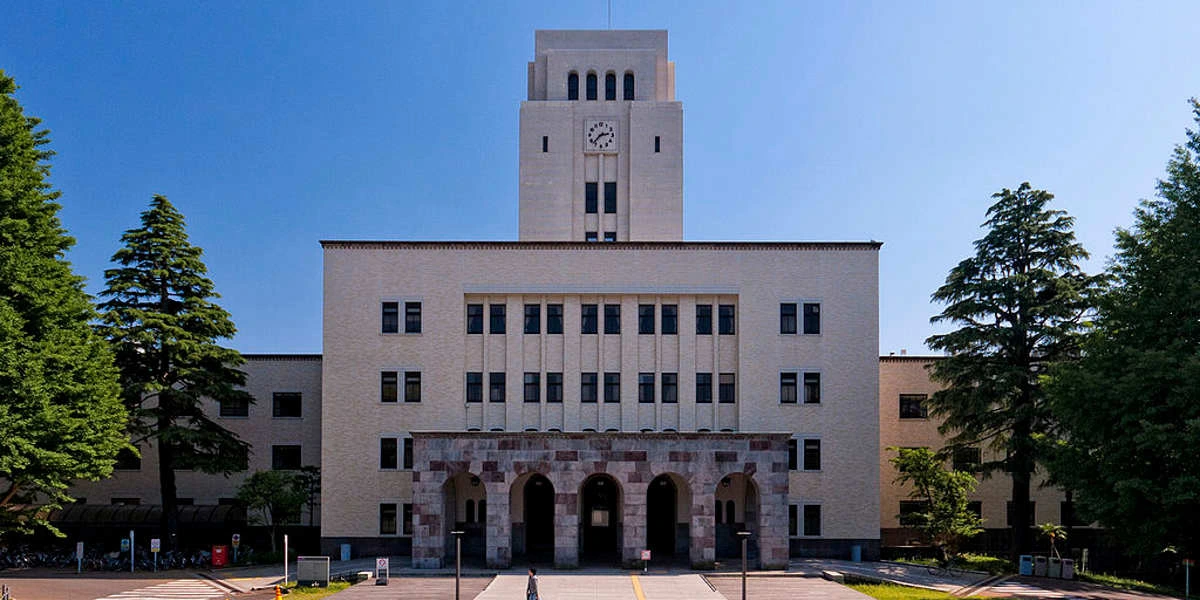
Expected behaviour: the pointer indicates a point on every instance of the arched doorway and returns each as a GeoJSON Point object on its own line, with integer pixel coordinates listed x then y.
{"type": "Point", "coordinates": [464, 499]}
{"type": "Point", "coordinates": [600, 519]}
{"type": "Point", "coordinates": [737, 510]}
{"type": "Point", "coordinates": [532, 501]}
{"type": "Point", "coordinates": [662, 500]}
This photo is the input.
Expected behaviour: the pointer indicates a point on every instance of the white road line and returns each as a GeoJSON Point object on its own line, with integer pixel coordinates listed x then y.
{"type": "Point", "coordinates": [182, 589]}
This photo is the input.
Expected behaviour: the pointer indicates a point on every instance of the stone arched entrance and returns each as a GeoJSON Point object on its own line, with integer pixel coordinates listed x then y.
{"type": "Point", "coordinates": [464, 500]}
{"type": "Point", "coordinates": [736, 509]}
{"type": "Point", "coordinates": [668, 518]}
{"type": "Point", "coordinates": [531, 501]}
{"type": "Point", "coordinates": [600, 532]}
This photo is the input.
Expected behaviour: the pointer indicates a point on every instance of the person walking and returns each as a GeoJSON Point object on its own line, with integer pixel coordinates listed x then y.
{"type": "Point", "coordinates": [531, 591]}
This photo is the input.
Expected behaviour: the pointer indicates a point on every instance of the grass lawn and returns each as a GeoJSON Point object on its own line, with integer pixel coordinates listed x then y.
{"type": "Point", "coordinates": [887, 591]}
{"type": "Point", "coordinates": [973, 562]}
{"type": "Point", "coordinates": [312, 593]}
{"type": "Point", "coordinates": [1123, 583]}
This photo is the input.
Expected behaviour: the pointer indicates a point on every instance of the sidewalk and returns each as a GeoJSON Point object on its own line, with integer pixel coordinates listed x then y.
{"type": "Point", "coordinates": [245, 579]}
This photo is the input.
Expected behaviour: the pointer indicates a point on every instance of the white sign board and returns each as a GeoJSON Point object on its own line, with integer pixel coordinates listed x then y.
{"type": "Point", "coordinates": [79, 550]}
{"type": "Point", "coordinates": [237, 539]}
{"type": "Point", "coordinates": [155, 544]}
{"type": "Point", "coordinates": [381, 564]}
{"type": "Point", "coordinates": [645, 555]}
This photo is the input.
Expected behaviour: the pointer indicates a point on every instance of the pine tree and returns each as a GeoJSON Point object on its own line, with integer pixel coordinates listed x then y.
{"type": "Point", "coordinates": [1130, 409]}
{"type": "Point", "coordinates": [1018, 303]}
{"type": "Point", "coordinates": [164, 326]}
{"type": "Point", "coordinates": [61, 417]}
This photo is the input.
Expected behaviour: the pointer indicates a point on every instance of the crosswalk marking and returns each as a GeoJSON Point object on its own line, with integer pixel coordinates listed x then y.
{"type": "Point", "coordinates": [182, 589]}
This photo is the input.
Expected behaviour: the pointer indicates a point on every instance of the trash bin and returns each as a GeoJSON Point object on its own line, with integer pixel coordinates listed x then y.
{"type": "Point", "coordinates": [1039, 566]}
{"type": "Point", "coordinates": [220, 556]}
{"type": "Point", "coordinates": [1068, 568]}
{"type": "Point", "coordinates": [1026, 565]}
{"type": "Point", "coordinates": [856, 553]}
{"type": "Point", "coordinates": [345, 552]}
{"type": "Point", "coordinates": [1055, 569]}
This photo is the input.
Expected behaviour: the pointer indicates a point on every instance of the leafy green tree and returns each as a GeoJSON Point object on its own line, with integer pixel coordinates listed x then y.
{"type": "Point", "coordinates": [164, 326]}
{"type": "Point", "coordinates": [1053, 533]}
{"type": "Point", "coordinates": [274, 498]}
{"type": "Point", "coordinates": [310, 481]}
{"type": "Point", "coordinates": [1018, 303]}
{"type": "Point", "coordinates": [1130, 409]}
{"type": "Point", "coordinates": [61, 417]}
{"type": "Point", "coordinates": [946, 518]}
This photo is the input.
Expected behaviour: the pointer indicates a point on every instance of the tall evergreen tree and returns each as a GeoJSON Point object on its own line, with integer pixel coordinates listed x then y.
{"type": "Point", "coordinates": [1130, 409]}
{"type": "Point", "coordinates": [164, 325]}
{"type": "Point", "coordinates": [1018, 303]}
{"type": "Point", "coordinates": [61, 417]}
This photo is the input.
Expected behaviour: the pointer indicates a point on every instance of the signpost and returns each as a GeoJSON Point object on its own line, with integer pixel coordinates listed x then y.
{"type": "Point", "coordinates": [132, 560]}
{"type": "Point", "coordinates": [285, 559]}
{"type": "Point", "coordinates": [457, 560]}
{"type": "Point", "coordinates": [381, 565]}
{"type": "Point", "coordinates": [1187, 577]}
{"type": "Point", "coordinates": [79, 557]}
{"type": "Point", "coordinates": [155, 546]}
{"type": "Point", "coordinates": [745, 535]}
{"type": "Point", "coordinates": [236, 541]}
{"type": "Point", "coordinates": [645, 560]}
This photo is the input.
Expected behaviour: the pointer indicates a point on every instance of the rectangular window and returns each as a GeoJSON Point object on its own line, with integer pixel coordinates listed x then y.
{"type": "Point", "coordinates": [408, 453]}
{"type": "Point", "coordinates": [412, 386]}
{"type": "Point", "coordinates": [388, 453]}
{"type": "Point", "coordinates": [793, 455]}
{"type": "Point", "coordinates": [612, 319]}
{"type": "Point", "coordinates": [670, 388]}
{"type": "Point", "coordinates": [591, 197]}
{"type": "Point", "coordinates": [533, 387]}
{"type": "Point", "coordinates": [496, 387]}
{"type": "Point", "coordinates": [474, 387]}
{"type": "Point", "coordinates": [589, 317]}
{"type": "Point", "coordinates": [909, 509]}
{"type": "Point", "coordinates": [554, 388]}
{"type": "Point", "coordinates": [704, 388]}
{"type": "Point", "coordinates": [235, 407]}
{"type": "Point", "coordinates": [128, 460]}
{"type": "Point", "coordinates": [976, 508]}
{"type": "Point", "coordinates": [812, 318]}
{"type": "Point", "coordinates": [387, 519]}
{"type": "Point", "coordinates": [812, 519]}
{"type": "Point", "coordinates": [726, 390]}
{"type": "Point", "coordinates": [787, 388]}
{"type": "Point", "coordinates": [474, 318]}
{"type": "Point", "coordinates": [587, 387]}
{"type": "Point", "coordinates": [657, 143]}
{"type": "Point", "coordinates": [554, 318]}
{"type": "Point", "coordinates": [787, 317]}
{"type": "Point", "coordinates": [286, 405]}
{"type": "Point", "coordinates": [412, 317]}
{"type": "Point", "coordinates": [610, 236]}
{"type": "Point", "coordinates": [612, 387]}
{"type": "Point", "coordinates": [812, 455]}
{"type": "Point", "coordinates": [912, 406]}
{"type": "Point", "coordinates": [388, 389]}
{"type": "Point", "coordinates": [407, 520]}
{"type": "Point", "coordinates": [703, 319]}
{"type": "Point", "coordinates": [812, 388]}
{"type": "Point", "coordinates": [670, 319]}
{"type": "Point", "coordinates": [1069, 516]}
{"type": "Point", "coordinates": [391, 317]}
{"type": "Point", "coordinates": [1031, 518]}
{"type": "Point", "coordinates": [967, 459]}
{"type": "Point", "coordinates": [646, 319]}
{"type": "Point", "coordinates": [545, 143]}
{"type": "Point", "coordinates": [646, 388]}
{"type": "Point", "coordinates": [497, 318]}
{"type": "Point", "coordinates": [725, 319]}
{"type": "Point", "coordinates": [285, 457]}
{"type": "Point", "coordinates": [533, 318]}
{"type": "Point", "coordinates": [793, 520]}
{"type": "Point", "coordinates": [590, 236]}
{"type": "Point", "coordinates": [610, 197]}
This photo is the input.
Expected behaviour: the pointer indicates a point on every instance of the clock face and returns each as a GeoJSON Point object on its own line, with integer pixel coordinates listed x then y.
{"type": "Point", "coordinates": [600, 136]}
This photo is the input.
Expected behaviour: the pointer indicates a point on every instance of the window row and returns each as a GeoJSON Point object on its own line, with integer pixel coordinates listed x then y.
{"type": "Point", "coordinates": [284, 405]}
{"type": "Point", "coordinates": [811, 318]}
{"type": "Point", "coordinates": [592, 81]}
{"type": "Point", "coordinates": [391, 317]}
{"type": "Point", "coordinates": [1067, 514]}
{"type": "Point", "coordinates": [789, 390]}
{"type": "Point", "coordinates": [589, 319]}
{"type": "Point", "coordinates": [284, 457]}
{"type": "Point", "coordinates": [966, 459]}
{"type": "Point", "coordinates": [804, 454]}
{"type": "Point", "coordinates": [912, 406]}
{"type": "Point", "coordinates": [589, 387]}
{"type": "Point", "coordinates": [395, 453]}
{"type": "Point", "coordinates": [811, 523]}
{"type": "Point", "coordinates": [387, 519]}
{"type": "Point", "coordinates": [591, 236]}
{"type": "Point", "coordinates": [591, 192]}
{"type": "Point", "coordinates": [389, 386]}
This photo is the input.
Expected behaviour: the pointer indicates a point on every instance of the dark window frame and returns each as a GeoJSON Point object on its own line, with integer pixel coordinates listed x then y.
{"type": "Point", "coordinates": [646, 388]}
{"type": "Point", "coordinates": [591, 85]}
{"type": "Point", "coordinates": [812, 387]}
{"type": "Point", "coordinates": [589, 319]}
{"type": "Point", "coordinates": [545, 143]}
{"type": "Point", "coordinates": [812, 454]}
{"type": "Point", "coordinates": [474, 319]}
{"type": "Point", "coordinates": [412, 386]}
{"type": "Point", "coordinates": [612, 388]}
{"type": "Point", "coordinates": [389, 454]}
{"type": "Point", "coordinates": [532, 386]}
{"type": "Point", "coordinates": [646, 319]}
{"type": "Point", "coordinates": [794, 454]}
{"type": "Point", "coordinates": [704, 319]}
{"type": "Point", "coordinates": [497, 387]}
{"type": "Point", "coordinates": [234, 407]}
{"type": "Point", "coordinates": [589, 387]}
{"type": "Point", "coordinates": [628, 86]}
{"type": "Point", "coordinates": [591, 197]}
{"type": "Point", "coordinates": [788, 388]}
{"type": "Point", "coordinates": [390, 317]}
{"type": "Point", "coordinates": [909, 411]}
{"type": "Point", "coordinates": [474, 387]}
{"type": "Point", "coordinates": [657, 144]}
{"type": "Point", "coordinates": [812, 520]}
{"type": "Point", "coordinates": [408, 453]}
{"type": "Point", "coordinates": [726, 319]}
{"type": "Point", "coordinates": [670, 388]}
{"type": "Point", "coordinates": [554, 387]}
{"type": "Point", "coordinates": [388, 519]}
{"type": "Point", "coordinates": [533, 319]}
{"type": "Point", "coordinates": [389, 386]}
{"type": "Point", "coordinates": [280, 408]}
{"type": "Point", "coordinates": [554, 319]}
{"type": "Point", "coordinates": [412, 317]}
{"type": "Point", "coordinates": [787, 318]}
{"type": "Point", "coordinates": [727, 388]}
{"type": "Point", "coordinates": [280, 461]}
{"type": "Point", "coordinates": [612, 319]}
{"type": "Point", "coordinates": [610, 86]}
{"type": "Point", "coordinates": [610, 197]}
{"type": "Point", "coordinates": [704, 388]}
{"type": "Point", "coordinates": [670, 319]}
{"type": "Point", "coordinates": [572, 86]}
{"type": "Point", "coordinates": [497, 319]}
{"type": "Point", "coordinates": [812, 318]}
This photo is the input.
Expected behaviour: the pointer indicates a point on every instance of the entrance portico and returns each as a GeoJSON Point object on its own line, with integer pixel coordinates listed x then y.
{"type": "Point", "coordinates": [601, 485]}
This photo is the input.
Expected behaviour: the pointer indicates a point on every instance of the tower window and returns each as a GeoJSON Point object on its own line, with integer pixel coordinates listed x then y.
{"type": "Point", "coordinates": [545, 143]}
{"type": "Point", "coordinates": [587, 387]}
{"type": "Point", "coordinates": [610, 87]}
{"type": "Point", "coordinates": [591, 86]}
{"type": "Point", "coordinates": [591, 195]}
{"type": "Point", "coordinates": [628, 86]}
{"type": "Point", "coordinates": [573, 86]}
{"type": "Point", "coordinates": [610, 236]}
{"type": "Point", "coordinates": [590, 236]}
{"type": "Point", "coordinates": [657, 144]}
{"type": "Point", "coordinates": [610, 197]}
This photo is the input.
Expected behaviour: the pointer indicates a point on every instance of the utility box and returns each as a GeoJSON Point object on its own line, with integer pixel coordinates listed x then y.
{"type": "Point", "coordinates": [1055, 569]}
{"type": "Point", "coordinates": [1068, 568]}
{"type": "Point", "coordinates": [312, 571]}
{"type": "Point", "coordinates": [1039, 566]}
{"type": "Point", "coordinates": [1026, 567]}
{"type": "Point", "coordinates": [220, 556]}
{"type": "Point", "coordinates": [345, 552]}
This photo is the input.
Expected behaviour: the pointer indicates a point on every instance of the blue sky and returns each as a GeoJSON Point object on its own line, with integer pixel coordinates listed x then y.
{"type": "Point", "coordinates": [272, 125]}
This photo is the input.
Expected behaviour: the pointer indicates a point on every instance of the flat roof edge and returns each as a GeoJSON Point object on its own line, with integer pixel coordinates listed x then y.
{"type": "Point", "coordinates": [598, 246]}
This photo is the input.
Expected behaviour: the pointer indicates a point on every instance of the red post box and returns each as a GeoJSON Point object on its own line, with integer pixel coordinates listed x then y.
{"type": "Point", "coordinates": [220, 556]}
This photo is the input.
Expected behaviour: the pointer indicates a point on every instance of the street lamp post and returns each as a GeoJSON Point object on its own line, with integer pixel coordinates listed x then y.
{"type": "Point", "coordinates": [745, 535]}
{"type": "Point", "coordinates": [457, 560]}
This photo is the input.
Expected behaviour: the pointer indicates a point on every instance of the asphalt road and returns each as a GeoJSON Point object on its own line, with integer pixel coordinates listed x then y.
{"type": "Point", "coordinates": [49, 584]}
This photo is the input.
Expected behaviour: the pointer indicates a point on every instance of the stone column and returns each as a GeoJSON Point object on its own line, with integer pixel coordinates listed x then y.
{"type": "Point", "coordinates": [633, 522]}
{"type": "Point", "coordinates": [703, 552]}
{"type": "Point", "coordinates": [566, 529]}
{"type": "Point", "coordinates": [773, 521]}
{"type": "Point", "coordinates": [428, 544]}
{"type": "Point", "coordinates": [499, 522]}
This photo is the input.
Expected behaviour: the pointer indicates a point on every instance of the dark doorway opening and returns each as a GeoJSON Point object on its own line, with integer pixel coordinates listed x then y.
{"type": "Point", "coordinates": [661, 502]}
{"type": "Point", "coordinates": [539, 519]}
{"type": "Point", "coordinates": [600, 520]}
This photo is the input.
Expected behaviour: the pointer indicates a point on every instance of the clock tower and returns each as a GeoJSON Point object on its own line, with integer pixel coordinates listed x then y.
{"type": "Point", "coordinates": [601, 139]}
